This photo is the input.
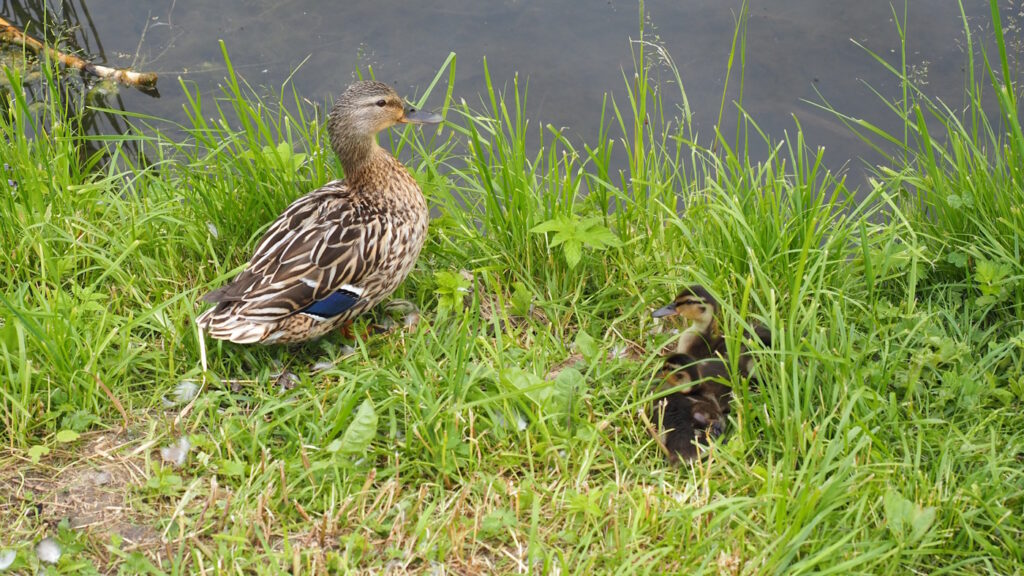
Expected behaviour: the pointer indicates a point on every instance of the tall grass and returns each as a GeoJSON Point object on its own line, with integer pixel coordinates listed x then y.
{"type": "Point", "coordinates": [957, 172]}
{"type": "Point", "coordinates": [501, 435]}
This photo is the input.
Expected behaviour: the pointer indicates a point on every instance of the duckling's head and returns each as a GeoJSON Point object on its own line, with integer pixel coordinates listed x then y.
{"type": "Point", "coordinates": [694, 303]}
{"type": "Point", "coordinates": [679, 370]}
{"type": "Point", "coordinates": [364, 109]}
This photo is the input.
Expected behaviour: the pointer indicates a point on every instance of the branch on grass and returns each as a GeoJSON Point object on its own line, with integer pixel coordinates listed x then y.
{"type": "Point", "coordinates": [10, 34]}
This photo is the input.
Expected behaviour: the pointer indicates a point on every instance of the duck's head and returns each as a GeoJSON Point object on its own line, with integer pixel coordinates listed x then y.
{"type": "Point", "coordinates": [694, 303]}
{"type": "Point", "coordinates": [365, 108]}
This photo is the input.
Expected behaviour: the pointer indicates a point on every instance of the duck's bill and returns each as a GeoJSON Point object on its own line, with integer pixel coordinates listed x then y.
{"type": "Point", "coordinates": [413, 116]}
{"type": "Point", "coordinates": [664, 311]}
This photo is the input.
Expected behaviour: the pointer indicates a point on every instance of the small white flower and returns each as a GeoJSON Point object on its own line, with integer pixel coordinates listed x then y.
{"type": "Point", "coordinates": [213, 230]}
{"type": "Point", "coordinates": [48, 550]}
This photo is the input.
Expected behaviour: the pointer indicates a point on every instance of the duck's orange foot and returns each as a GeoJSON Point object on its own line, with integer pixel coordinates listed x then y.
{"type": "Point", "coordinates": [346, 330]}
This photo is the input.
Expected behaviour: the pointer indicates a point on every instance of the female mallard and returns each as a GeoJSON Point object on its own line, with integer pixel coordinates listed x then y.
{"type": "Point", "coordinates": [339, 250]}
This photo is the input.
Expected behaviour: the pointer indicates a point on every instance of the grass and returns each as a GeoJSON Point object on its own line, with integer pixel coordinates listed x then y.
{"type": "Point", "coordinates": [501, 435]}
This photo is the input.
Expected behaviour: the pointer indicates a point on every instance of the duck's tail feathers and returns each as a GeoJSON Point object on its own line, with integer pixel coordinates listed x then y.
{"type": "Point", "coordinates": [222, 324]}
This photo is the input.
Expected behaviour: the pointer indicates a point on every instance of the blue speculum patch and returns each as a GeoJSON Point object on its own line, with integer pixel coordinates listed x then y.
{"type": "Point", "coordinates": [332, 305]}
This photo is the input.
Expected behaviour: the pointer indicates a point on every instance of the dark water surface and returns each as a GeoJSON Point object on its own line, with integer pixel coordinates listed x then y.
{"type": "Point", "coordinates": [572, 52]}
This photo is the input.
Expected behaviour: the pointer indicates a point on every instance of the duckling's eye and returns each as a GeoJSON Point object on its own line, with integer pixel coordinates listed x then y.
{"type": "Point", "coordinates": [382, 102]}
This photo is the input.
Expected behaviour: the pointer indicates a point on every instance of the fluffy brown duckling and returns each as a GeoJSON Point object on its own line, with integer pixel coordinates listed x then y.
{"type": "Point", "coordinates": [703, 339]}
{"type": "Point", "coordinates": [692, 415]}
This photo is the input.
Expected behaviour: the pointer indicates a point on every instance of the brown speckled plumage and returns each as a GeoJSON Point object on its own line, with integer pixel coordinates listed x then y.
{"type": "Point", "coordinates": [343, 247]}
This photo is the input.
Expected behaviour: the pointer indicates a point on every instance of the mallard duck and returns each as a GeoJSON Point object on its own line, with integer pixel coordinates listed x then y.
{"type": "Point", "coordinates": [702, 339]}
{"type": "Point", "coordinates": [339, 250]}
{"type": "Point", "coordinates": [691, 415]}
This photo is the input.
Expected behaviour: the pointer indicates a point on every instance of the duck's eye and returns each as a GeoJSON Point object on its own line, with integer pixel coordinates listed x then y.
{"type": "Point", "coordinates": [382, 102]}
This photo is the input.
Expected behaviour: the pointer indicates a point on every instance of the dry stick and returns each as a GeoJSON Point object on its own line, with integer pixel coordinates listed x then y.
{"type": "Point", "coordinates": [11, 34]}
{"type": "Point", "coordinates": [654, 433]}
{"type": "Point", "coordinates": [117, 403]}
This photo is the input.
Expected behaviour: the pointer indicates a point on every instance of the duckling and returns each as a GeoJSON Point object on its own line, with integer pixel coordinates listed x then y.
{"type": "Point", "coordinates": [339, 250]}
{"type": "Point", "coordinates": [703, 339]}
{"type": "Point", "coordinates": [690, 416]}
{"type": "Point", "coordinates": [709, 375]}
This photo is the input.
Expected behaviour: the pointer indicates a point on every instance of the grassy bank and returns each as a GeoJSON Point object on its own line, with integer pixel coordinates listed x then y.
{"type": "Point", "coordinates": [501, 435]}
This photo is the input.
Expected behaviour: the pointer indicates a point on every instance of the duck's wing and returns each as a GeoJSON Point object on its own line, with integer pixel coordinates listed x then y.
{"type": "Point", "coordinates": [312, 259]}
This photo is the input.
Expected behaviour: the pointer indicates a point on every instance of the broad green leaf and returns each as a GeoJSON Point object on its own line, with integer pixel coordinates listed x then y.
{"type": "Point", "coordinates": [573, 234]}
{"type": "Point", "coordinates": [905, 519]}
{"type": "Point", "coordinates": [596, 235]}
{"type": "Point", "coordinates": [562, 236]}
{"type": "Point", "coordinates": [66, 436]}
{"type": "Point", "coordinates": [231, 468]}
{"type": "Point", "coordinates": [284, 151]}
{"type": "Point", "coordinates": [36, 452]}
{"type": "Point", "coordinates": [573, 253]}
{"type": "Point", "coordinates": [452, 287]}
{"type": "Point", "coordinates": [958, 259]}
{"type": "Point", "coordinates": [555, 224]}
{"type": "Point", "coordinates": [496, 522]}
{"type": "Point", "coordinates": [534, 386]}
{"type": "Point", "coordinates": [921, 522]}
{"type": "Point", "coordinates": [522, 299]}
{"type": "Point", "coordinates": [896, 511]}
{"type": "Point", "coordinates": [568, 383]}
{"type": "Point", "coordinates": [587, 346]}
{"type": "Point", "coordinates": [360, 431]}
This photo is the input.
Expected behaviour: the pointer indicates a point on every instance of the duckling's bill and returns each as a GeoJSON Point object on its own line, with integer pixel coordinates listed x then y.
{"type": "Point", "coordinates": [664, 311]}
{"type": "Point", "coordinates": [414, 116]}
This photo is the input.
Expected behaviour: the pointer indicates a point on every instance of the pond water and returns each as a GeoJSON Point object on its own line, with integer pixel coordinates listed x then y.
{"type": "Point", "coordinates": [571, 51]}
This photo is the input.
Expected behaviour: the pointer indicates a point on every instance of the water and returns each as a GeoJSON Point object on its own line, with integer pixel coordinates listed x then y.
{"type": "Point", "coordinates": [572, 52]}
